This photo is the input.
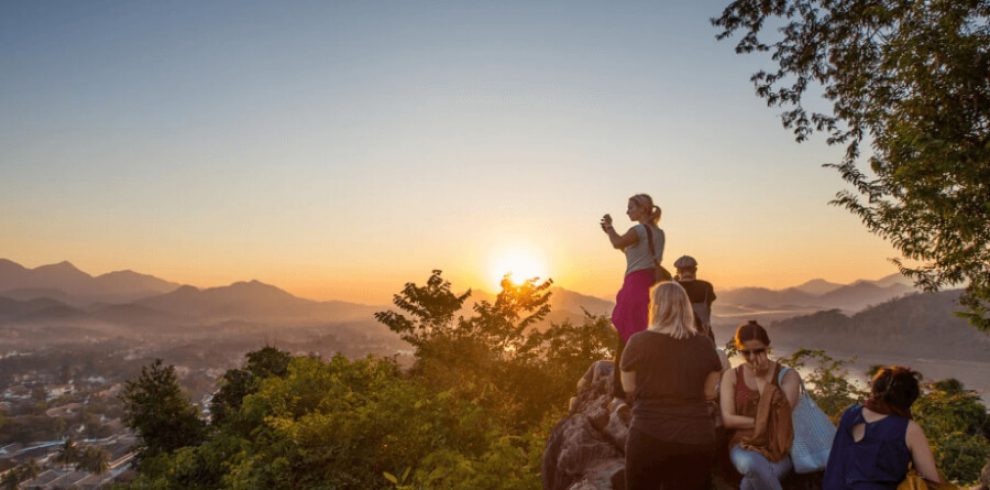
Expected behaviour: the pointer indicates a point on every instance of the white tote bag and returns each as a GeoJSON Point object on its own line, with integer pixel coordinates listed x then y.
{"type": "Point", "coordinates": [813, 433]}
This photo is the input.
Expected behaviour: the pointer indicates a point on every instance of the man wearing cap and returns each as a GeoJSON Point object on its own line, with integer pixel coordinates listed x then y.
{"type": "Point", "coordinates": [701, 293]}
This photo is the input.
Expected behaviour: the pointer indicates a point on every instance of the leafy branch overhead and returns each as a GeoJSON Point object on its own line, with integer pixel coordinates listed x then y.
{"type": "Point", "coordinates": [909, 86]}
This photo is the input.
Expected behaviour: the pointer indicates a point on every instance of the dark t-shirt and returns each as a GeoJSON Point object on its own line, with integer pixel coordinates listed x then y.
{"type": "Point", "coordinates": [698, 289]}
{"type": "Point", "coordinates": [669, 401]}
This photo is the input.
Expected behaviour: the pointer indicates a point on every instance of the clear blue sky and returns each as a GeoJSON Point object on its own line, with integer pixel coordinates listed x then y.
{"type": "Point", "coordinates": [339, 149]}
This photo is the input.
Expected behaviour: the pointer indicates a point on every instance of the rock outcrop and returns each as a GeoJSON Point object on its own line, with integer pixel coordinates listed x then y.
{"type": "Point", "coordinates": [586, 450]}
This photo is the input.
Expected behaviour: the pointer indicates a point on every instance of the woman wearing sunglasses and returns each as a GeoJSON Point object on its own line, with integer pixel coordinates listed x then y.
{"type": "Point", "coordinates": [760, 433]}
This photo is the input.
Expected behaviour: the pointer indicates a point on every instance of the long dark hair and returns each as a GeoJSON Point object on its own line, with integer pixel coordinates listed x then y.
{"type": "Point", "coordinates": [893, 390]}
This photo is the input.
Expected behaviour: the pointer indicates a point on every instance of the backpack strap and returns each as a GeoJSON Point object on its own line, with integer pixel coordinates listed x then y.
{"type": "Point", "coordinates": [663, 274]}
{"type": "Point", "coordinates": [649, 238]}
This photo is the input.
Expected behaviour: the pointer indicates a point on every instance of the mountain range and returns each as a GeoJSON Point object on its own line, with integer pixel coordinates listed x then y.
{"type": "Point", "coordinates": [63, 281]}
{"type": "Point", "coordinates": [820, 294]}
{"type": "Point", "coordinates": [918, 325]}
{"type": "Point", "coordinates": [62, 291]}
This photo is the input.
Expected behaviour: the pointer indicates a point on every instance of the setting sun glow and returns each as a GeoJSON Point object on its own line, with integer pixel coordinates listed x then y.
{"type": "Point", "coordinates": [520, 264]}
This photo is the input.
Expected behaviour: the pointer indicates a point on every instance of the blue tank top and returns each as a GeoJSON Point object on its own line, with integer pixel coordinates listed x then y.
{"type": "Point", "coordinates": [878, 462]}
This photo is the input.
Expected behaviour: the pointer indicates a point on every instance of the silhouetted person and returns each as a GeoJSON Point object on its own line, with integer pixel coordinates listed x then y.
{"type": "Point", "coordinates": [643, 246]}
{"type": "Point", "coordinates": [701, 293]}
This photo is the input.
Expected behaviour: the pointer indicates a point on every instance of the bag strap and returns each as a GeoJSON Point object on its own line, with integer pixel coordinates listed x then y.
{"type": "Point", "coordinates": [653, 250]}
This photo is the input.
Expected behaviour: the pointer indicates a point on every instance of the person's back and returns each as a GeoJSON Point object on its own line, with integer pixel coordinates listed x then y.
{"type": "Point", "coordinates": [639, 256]}
{"type": "Point", "coordinates": [669, 401]}
{"type": "Point", "coordinates": [701, 293]}
{"type": "Point", "coordinates": [869, 452]}
{"type": "Point", "coordinates": [876, 442]}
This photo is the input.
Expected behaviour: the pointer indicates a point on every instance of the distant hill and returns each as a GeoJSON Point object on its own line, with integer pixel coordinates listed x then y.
{"type": "Point", "coordinates": [818, 287]}
{"type": "Point", "coordinates": [767, 298]}
{"type": "Point", "coordinates": [65, 282]}
{"type": "Point", "coordinates": [820, 294]}
{"type": "Point", "coordinates": [253, 301]}
{"type": "Point", "coordinates": [921, 325]}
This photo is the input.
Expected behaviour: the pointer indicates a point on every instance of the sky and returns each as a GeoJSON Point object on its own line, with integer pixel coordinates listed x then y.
{"type": "Point", "coordinates": [341, 149]}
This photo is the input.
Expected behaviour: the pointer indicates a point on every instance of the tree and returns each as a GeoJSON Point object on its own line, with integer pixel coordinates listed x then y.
{"type": "Point", "coordinates": [94, 460]}
{"type": "Point", "coordinates": [911, 79]}
{"type": "Point", "coordinates": [238, 383]}
{"type": "Point", "coordinates": [158, 411]}
{"type": "Point", "coordinates": [431, 309]}
{"type": "Point", "coordinates": [19, 474]}
{"type": "Point", "coordinates": [68, 453]}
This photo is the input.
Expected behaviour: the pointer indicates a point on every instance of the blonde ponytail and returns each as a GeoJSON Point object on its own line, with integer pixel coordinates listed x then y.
{"type": "Point", "coordinates": [644, 200]}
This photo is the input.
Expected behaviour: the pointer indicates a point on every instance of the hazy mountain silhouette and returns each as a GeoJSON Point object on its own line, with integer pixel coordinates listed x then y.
{"type": "Point", "coordinates": [75, 286]}
{"type": "Point", "coordinates": [254, 301]}
{"type": "Point", "coordinates": [818, 287]}
{"type": "Point", "coordinates": [922, 325]}
{"type": "Point", "coordinates": [12, 309]}
{"type": "Point", "coordinates": [767, 298]}
{"type": "Point", "coordinates": [861, 294]}
{"type": "Point", "coordinates": [851, 298]}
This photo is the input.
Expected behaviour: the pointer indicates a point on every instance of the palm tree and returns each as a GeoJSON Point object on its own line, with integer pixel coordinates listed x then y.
{"type": "Point", "coordinates": [68, 454]}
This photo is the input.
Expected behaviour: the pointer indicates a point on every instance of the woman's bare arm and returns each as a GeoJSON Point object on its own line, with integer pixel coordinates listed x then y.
{"type": "Point", "coordinates": [728, 405]}
{"type": "Point", "coordinates": [711, 384]}
{"type": "Point", "coordinates": [629, 382]}
{"type": "Point", "coordinates": [620, 242]}
{"type": "Point", "coordinates": [921, 453]}
{"type": "Point", "coordinates": [792, 387]}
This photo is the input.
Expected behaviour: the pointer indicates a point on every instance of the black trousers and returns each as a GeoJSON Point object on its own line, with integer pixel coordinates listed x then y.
{"type": "Point", "coordinates": [652, 464]}
{"type": "Point", "coordinates": [617, 390]}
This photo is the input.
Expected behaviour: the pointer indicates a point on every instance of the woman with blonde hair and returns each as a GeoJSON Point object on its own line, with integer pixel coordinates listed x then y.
{"type": "Point", "coordinates": [670, 371]}
{"type": "Point", "coordinates": [642, 246]}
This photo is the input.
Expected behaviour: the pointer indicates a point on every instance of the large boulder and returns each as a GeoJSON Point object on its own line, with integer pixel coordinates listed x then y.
{"type": "Point", "coordinates": [586, 450]}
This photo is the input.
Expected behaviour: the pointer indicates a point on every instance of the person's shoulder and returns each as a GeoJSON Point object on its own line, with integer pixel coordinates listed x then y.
{"type": "Point", "coordinates": [850, 413]}
{"type": "Point", "coordinates": [790, 373]}
{"type": "Point", "coordinates": [638, 337]}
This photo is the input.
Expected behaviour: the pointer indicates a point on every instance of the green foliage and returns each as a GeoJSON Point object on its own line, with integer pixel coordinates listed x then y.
{"type": "Point", "coordinates": [20, 473]}
{"type": "Point", "coordinates": [910, 79]}
{"type": "Point", "coordinates": [431, 309]}
{"type": "Point", "coordinates": [957, 425]}
{"type": "Point", "coordinates": [473, 412]}
{"type": "Point", "coordinates": [157, 410]}
{"type": "Point", "coordinates": [503, 356]}
{"type": "Point", "coordinates": [238, 383]}
{"type": "Point", "coordinates": [827, 382]}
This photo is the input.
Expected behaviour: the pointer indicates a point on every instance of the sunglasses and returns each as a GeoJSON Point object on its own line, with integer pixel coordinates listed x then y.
{"type": "Point", "coordinates": [752, 352]}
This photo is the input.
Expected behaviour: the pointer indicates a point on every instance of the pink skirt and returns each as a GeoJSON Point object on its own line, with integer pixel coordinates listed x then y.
{"type": "Point", "coordinates": [631, 312]}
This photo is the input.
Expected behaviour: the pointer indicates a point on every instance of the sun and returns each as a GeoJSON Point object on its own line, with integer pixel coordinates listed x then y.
{"type": "Point", "coordinates": [520, 264]}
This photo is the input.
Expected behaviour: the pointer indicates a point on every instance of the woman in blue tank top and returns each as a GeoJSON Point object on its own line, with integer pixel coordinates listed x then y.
{"type": "Point", "coordinates": [877, 441]}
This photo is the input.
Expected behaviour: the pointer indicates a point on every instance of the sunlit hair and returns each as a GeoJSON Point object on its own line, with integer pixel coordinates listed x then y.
{"type": "Point", "coordinates": [751, 330]}
{"type": "Point", "coordinates": [645, 201]}
{"type": "Point", "coordinates": [671, 312]}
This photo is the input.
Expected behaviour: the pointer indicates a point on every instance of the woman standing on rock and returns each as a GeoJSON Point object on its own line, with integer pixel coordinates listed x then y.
{"type": "Point", "coordinates": [757, 400]}
{"type": "Point", "coordinates": [670, 370]}
{"type": "Point", "coordinates": [643, 246]}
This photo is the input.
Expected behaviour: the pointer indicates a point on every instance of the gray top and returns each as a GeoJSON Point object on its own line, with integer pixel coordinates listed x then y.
{"type": "Point", "coordinates": [638, 255]}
